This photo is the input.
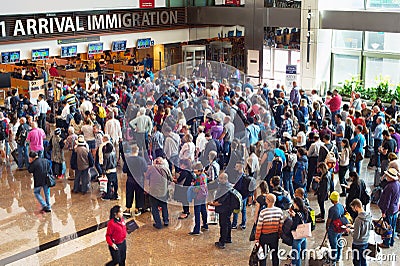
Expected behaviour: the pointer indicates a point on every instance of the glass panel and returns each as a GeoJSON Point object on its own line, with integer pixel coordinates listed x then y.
{"type": "Point", "coordinates": [383, 4]}
{"type": "Point", "coordinates": [382, 41]}
{"type": "Point", "coordinates": [295, 60]}
{"type": "Point", "coordinates": [347, 39]}
{"type": "Point", "coordinates": [381, 66]}
{"type": "Point", "coordinates": [344, 67]}
{"type": "Point", "coordinates": [281, 59]}
{"type": "Point", "coordinates": [341, 4]}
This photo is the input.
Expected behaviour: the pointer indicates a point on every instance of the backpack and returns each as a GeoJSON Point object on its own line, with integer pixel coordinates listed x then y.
{"type": "Point", "coordinates": [3, 130]}
{"type": "Point", "coordinates": [291, 160]}
{"type": "Point", "coordinates": [276, 169]}
{"type": "Point", "coordinates": [330, 155]}
{"type": "Point", "coordinates": [102, 112]}
{"type": "Point", "coordinates": [236, 201]}
{"type": "Point", "coordinates": [22, 136]}
{"type": "Point", "coordinates": [339, 224]}
{"type": "Point", "coordinates": [312, 217]}
{"type": "Point", "coordinates": [287, 237]}
{"type": "Point", "coordinates": [376, 195]}
{"type": "Point", "coordinates": [283, 201]}
{"type": "Point", "coordinates": [364, 197]}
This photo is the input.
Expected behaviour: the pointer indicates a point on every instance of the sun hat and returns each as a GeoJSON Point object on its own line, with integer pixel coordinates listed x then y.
{"type": "Point", "coordinates": [81, 140]}
{"type": "Point", "coordinates": [392, 173]}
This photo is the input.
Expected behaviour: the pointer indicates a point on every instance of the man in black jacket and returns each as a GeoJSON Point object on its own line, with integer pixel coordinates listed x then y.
{"type": "Point", "coordinates": [23, 145]}
{"type": "Point", "coordinates": [223, 208]}
{"type": "Point", "coordinates": [39, 167]}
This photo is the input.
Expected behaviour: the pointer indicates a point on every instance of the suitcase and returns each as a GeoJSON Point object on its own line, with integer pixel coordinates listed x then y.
{"type": "Point", "coordinates": [377, 177]}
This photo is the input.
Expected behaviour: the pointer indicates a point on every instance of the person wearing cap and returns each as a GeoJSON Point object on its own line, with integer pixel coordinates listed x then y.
{"type": "Point", "coordinates": [57, 153]}
{"type": "Point", "coordinates": [287, 125]}
{"type": "Point", "coordinates": [39, 167]}
{"type": "Point", "coordinates": [35, 138]}
{"type": "Point", "coordinates": [200, 191]}
{"type": "Point", "coordinates": [334, 212]}
{"type": "Point", "coordinates": [389, 203]}
{"type": "Point", "coordinates": [83, 158]}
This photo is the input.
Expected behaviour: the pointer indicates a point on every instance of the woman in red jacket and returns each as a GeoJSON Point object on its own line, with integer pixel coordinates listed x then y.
{"type": "Point", "coordinates": [116, 236]}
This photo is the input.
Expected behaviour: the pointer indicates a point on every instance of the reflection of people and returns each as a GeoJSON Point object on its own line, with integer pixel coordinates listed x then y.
{"type": "Point", "coordinates": [39, 167]}
{"type": "Point", "coordinates": [116, 236]}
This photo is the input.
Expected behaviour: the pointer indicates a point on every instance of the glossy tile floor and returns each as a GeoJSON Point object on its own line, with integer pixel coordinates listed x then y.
{"type": "Point", "coordinates": [23, 230]}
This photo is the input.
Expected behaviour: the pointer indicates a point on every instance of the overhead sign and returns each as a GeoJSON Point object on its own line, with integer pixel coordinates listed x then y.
{"type": "Point", "coordinates": [49, 25]}
{"type": "Point", "coordinates": [291, 75]}
{"type": "Point", "coordinates": [146, 3]}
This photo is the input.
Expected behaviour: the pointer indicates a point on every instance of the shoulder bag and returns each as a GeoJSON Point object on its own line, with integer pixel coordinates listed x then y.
{"type": "Point", "coordinates": [303, 230]}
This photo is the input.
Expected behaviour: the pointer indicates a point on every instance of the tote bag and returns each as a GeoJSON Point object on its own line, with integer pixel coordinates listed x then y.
{"type": "Point", "coordinates": [303, 230]}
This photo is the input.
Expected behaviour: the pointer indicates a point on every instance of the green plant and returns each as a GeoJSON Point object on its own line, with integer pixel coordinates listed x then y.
{"type": "Point", "coordinates": [350, 85]}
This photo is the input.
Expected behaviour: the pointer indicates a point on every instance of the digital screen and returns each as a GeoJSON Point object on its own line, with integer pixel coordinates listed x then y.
{"type": "Point", "coordinates": [69, 51]}
{"type": "Point", "coordinates": [144, 43]}
{"type": "Point", "coordinates": [10, 57]}
{"type": "Point", "coordinates": [40, 54]}
{"type": "Point", "coordinates": [119, 46]}
{"type": "Point", "coordinates": [95, 48]}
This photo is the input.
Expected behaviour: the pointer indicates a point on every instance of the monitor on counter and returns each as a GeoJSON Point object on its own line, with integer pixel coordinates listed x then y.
{"type": "Point", "coordinates": [69, 51]}
{"type": "Point", "coordinates": [118, 46]}
{"type": "Point", "coordinates": [95, 48]}
{"type": "Point", "coordinates": [40, 54]}
{"type": "Point", "coordinates": [10, 57]}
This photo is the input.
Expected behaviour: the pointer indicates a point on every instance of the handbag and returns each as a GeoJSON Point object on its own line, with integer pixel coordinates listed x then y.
{"type": "Point", "coordinates": [383, 228]}
{"type": "Point", "coordinates": [359, 157]}
{"type": "Point", "coordinates": [253, 260]}
{"type": "Point", "coordinates": [260, 253]}
{"type": "Point", "coordinates": [303, 230]}
{"type": "Point", "coordinates": [131, 226]}
{"type": "Point", "coordinates": [253, 233]}
{"type": "Point", "coordinates": [321, 256]}
{"type": "Point", "coordinates": [103, 180]}
{"type": "Point", "coordinates": [373, 250]}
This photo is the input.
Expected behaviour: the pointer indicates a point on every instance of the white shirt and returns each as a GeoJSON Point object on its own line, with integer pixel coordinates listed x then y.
{"type": "Point", "coordinates": [201, 142]}
{"type": "Point", "coordinates": [113, 128]}
{"type": "Point", "coordinates": [43, 107]}
{"type": "Point", "coordinates": [187, 151]}
{"type": "Point", "coordinates": [303, 139]}
{"type": "Point", "coordinates": [65, 112]}
{"type": "Point", "coordinates": [86, 106]}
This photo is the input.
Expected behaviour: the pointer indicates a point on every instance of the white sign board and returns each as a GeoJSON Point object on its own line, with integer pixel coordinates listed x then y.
{"type": "Point", "coordinates": [291, 75]}
{"type": "Point", "coordinates": [253, 66]}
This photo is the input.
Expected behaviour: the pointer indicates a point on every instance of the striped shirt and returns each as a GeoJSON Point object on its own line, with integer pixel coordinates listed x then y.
{"type": "Point", "coordinates": [270, 221]}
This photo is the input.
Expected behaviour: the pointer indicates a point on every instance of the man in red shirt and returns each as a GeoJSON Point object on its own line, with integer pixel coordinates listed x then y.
{"type": "Point", "coordinates": [334, 104]}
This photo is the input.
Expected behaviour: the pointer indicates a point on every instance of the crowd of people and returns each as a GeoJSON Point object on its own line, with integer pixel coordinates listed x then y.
{"type": "Point", "coordinates": [213, 140]}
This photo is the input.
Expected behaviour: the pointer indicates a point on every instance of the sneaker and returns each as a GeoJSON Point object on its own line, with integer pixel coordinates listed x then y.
{"type": "Point", "coordinates": [117, 198]}
{"type": "Point", "coordinates": [138, 212]}
{"type": "Point", "coordinates": [127, 213]}
{"type": "Point", "coordinates": [219, 245]}
{"type": "Point", "coordinates": [204, 228]}
{"type": "Point", "coordinates": [157, 227]}
{"type": "Point", "coordinates": [320, 220]}
{"type": "Point", "coordinates": [228, 242]}
{"type": "Point", "coordinates": [45, 210]}
{"type": "Point", "coordinates": [104, 198]}
{"type": "Point", "coordinates": [243, 227]}
{"type": "Point", "coordinates": [194, 233]}
{"type": "Point", "coordinates": [234, 226]}
{"type": "Point", "coordinates": [381, 245]}
{"type": "Point", "coordinates": [318, 216]}
{"type": "Point", "coordinates": [166, 224]}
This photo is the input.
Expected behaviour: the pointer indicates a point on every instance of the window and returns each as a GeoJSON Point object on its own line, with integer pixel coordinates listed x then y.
{"type": "Point", "coordinates": [381, 66]}
{"type": "Point", "coordinates": [344, 67]}
{"type": "Point", "coordinates": [346, 39]}
{"type": "Point", "coordinates": [382, 4]}
{"type": "Point", "coordinates": [341, 4]}
{"type": "Point", "coordinates": [382, 41]}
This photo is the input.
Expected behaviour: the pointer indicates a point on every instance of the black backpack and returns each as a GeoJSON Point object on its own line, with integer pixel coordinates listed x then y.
{"type": "Point", "coordinates": [22, 135]}
{"type": "Point", "coordinates": [3, 130]}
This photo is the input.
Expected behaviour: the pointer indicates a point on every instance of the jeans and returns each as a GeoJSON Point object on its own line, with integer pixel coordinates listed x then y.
{"type": "Point", "coordinates": [46, 190]}
{"type": "Point", "coordinates": [155, 203]}
{"type": "Point", "coordinates": [81, 181]}
{"type": "Point", "coordinates": [359, 257]}
{"type": "Point", "coordinates": [333, 117]}
{"type": "Point", "coordinates": [270, 242]}
{"type": "Point", "coordinates": [356, 165]}
{"type": "Point", "coordinates": [236, 215]}
{"type": "Point", "coordinates": [391, 219]}
{"type": "Point", "coordinates": [225, 227]}
{"type": "Point", "coordinates": [119, 255]}
{"type": "Point", "coordinates": [112, 186]}
{"type": "Point", "coordinates": [199, 209]}
{"type": "Point", "coordinates": [297, 249]}
{"type": "Point", "coordinates": [342, 175]}
{"type": "Point", "coordinates": [287, 181]}
{"type": "Point", "coordinates": [40, 153]}
{"type": "Point", "coordinates": [23, 156]}
{"type": "Point", "coordinates": [336, 250]}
